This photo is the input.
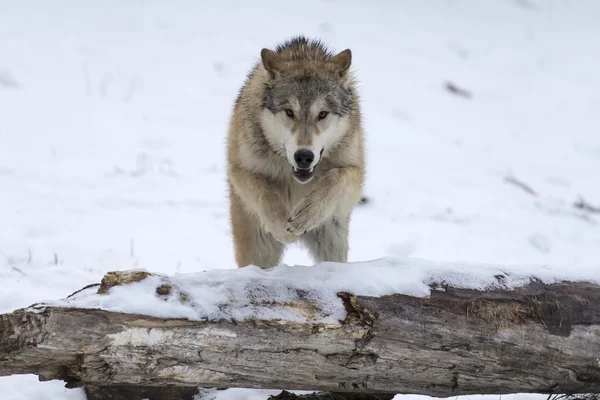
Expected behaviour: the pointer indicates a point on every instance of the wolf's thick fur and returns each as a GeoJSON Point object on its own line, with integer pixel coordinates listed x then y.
{"type": "Point", "coordinates": [295, 155]}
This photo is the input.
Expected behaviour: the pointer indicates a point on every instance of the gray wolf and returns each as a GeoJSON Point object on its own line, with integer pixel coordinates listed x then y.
{"type": "Point", "coordinates": [295, 154]}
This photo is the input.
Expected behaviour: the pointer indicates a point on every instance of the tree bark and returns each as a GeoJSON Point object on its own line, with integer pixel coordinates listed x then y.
{"type": "Point", "coordinates": [536, 339]}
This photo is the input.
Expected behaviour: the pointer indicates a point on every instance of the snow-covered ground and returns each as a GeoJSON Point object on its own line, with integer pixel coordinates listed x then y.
{"type": "Point", "coordinates": [113, 116]}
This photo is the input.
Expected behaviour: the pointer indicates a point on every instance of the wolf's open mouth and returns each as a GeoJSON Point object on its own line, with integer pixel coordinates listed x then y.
{"type": "Point", "coordinates": [303, 175]}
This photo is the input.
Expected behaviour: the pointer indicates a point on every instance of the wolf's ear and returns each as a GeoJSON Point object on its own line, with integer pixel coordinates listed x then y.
{"type": "Point", "coordinates": [271, 61]}
{"type": "Point", "coordinates": [341, 62]}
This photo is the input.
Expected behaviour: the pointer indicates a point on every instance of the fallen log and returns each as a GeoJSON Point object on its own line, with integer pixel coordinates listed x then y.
{"type": "Point", "coordinates": [474, 330]}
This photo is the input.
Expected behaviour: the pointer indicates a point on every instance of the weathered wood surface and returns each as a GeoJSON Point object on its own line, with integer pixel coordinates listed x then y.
{"type": "Point", "coordinates": [539, 338]}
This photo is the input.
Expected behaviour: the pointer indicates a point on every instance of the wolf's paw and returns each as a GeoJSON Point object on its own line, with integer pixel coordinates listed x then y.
{"type": "Point", "coordinates": [282, 236]}
{"type": "Point", "coordinates": [303, 218]}
{"type": "Point", "coordinates": [273, 216]}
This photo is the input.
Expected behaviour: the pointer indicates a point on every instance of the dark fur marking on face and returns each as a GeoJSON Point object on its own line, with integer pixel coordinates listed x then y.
{"type": "Point", "coordinates": [306, 90]}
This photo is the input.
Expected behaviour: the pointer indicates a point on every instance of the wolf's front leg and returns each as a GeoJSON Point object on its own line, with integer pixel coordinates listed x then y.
{"type": "Point", "coordinates": [260, 197]}
{"type": "Point", "coordinates": [329, 241]}
{"type": "Point", "coordinates": [337, 192]}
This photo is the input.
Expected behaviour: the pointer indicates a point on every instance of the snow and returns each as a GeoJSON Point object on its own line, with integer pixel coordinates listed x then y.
{"type": "Point", "coordinates": [27, 387]}
{"type": "Point", "coordinates": [225, 295]}
{"type": "Point", "coordinates": [113, 117]}
{"type": "Point", "coordinates": [256, 394]}
{"type": "Point", "coordinates": [241, 394]}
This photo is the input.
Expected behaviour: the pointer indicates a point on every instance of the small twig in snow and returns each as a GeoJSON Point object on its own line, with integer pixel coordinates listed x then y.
{"type": "Point", "coordinates": [560, 210]}
{"type": "Point", "coordinates": [18, 270]}
{"type": "Point", "coordinates": [582, 205]}
{"type": "Point", "coordinates": [521, 185]}
{"type": "Point", "coordinates": [458, 91]}
{"type": "Point", "coordinates": [55, 259]}
{"type": "Point", "coordinates": [82, 289]}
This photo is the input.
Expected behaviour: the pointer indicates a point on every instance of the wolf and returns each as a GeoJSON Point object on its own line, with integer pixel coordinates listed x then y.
{"type": "Point", "coordinates": [295, 154]}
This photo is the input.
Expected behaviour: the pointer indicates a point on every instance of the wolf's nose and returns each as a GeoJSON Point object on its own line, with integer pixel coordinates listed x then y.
{"type": "Point", "coordinates": [304, 158]}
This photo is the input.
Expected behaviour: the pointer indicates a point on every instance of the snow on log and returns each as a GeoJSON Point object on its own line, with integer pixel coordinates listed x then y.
{"type": "Point", "coordinates": [386, 326]}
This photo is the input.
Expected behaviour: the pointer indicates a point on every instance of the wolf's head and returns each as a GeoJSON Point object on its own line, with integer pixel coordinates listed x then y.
{"type": "Point", "coordinates": [307, 101]}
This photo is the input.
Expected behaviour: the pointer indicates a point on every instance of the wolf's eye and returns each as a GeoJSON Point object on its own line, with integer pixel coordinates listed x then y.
{"type": "Point", "coordinates": [289, 112]}
{"type": "Point", "coordinates": [323, 114]}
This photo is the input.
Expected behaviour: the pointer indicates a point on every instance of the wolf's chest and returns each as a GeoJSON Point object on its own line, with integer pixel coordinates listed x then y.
{"type": "Point", "coordinates": [292, 192]}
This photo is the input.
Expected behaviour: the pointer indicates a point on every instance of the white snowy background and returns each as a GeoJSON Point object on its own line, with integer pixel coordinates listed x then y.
{"type": "Point", "coordinates": [113, 116]}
